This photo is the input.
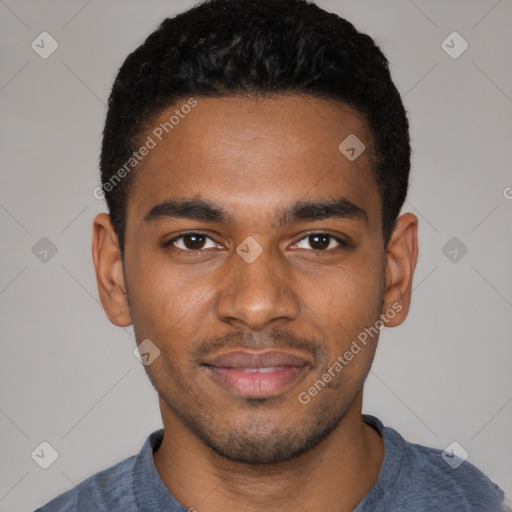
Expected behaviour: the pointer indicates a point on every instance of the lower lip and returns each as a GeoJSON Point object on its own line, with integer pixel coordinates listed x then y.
{"type": "Point", "coordinates": [256, 384]}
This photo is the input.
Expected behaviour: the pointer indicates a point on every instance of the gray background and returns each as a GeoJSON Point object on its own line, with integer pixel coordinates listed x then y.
{"type": "Point", "coordinates": [69, 377]}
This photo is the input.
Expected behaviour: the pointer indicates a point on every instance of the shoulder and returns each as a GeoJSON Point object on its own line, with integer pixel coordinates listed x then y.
{"type": "Point", "coordinates": [109, 488]}
{"type": "Point", "coordinates": [460, 483]}
{"type": "Point", "coordinates": [433, 479]}
{"type": "Point", "coordinates": [419, 478]}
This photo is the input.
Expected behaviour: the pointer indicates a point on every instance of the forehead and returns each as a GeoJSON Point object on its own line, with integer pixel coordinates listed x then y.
{"type": "Point", "coordinates": [255, 155]}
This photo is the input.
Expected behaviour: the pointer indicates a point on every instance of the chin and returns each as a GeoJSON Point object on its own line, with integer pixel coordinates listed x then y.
{"type": "Point", "coordinates": [261, 440]}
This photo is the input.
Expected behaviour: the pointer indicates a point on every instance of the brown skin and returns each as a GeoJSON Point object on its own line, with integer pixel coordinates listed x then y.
{"type": "Point", "coordinates": [254, 157]}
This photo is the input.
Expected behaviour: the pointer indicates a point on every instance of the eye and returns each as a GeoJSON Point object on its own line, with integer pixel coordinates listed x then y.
{"type": "Point", "coordinates": [322, 241]}
{"type": "Point", "coordinates": [190, 242]}
{"type": "Point", "coordinates": [197, 241]}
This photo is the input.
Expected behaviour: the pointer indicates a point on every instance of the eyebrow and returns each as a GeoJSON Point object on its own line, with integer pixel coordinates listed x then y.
{"type": "Point", "coordinates": [198, 209]}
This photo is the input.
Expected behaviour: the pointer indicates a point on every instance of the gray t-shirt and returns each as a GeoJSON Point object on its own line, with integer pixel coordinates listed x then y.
{"type": "Point", "coordinates": [412, 478]}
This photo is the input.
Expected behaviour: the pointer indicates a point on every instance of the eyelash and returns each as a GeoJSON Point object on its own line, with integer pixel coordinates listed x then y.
{"type": "Point", "coordinates": [342, 243]}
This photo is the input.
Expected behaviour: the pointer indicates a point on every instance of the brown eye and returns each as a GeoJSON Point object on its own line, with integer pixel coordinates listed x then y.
{"type": "Point", "coordinates": [319, 242]}
{"type": "Point", "coordinates": [322, 242]}
{"type": "Point", "coordinates": [192, 242]}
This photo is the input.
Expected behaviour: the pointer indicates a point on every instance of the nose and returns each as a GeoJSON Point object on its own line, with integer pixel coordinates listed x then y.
{"type": "Point", "coordinates": [256, 294]}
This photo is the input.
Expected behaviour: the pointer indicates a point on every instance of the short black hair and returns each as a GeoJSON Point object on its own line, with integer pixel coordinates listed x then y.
{"type": "Point", "coordinates": [223, 48]}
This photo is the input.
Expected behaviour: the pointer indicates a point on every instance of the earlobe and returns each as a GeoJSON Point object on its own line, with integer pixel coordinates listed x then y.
{"type": "Point", "coordinates": [109, 271]}
{"type": "Point", "coordinates": [401, 258]}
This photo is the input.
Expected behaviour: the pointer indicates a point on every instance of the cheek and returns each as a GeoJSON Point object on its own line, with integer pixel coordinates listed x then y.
{"type": "Point", "coordinates": [350, 310]}
{"type": "Point", "coordinates": [167, 302]}
{"type": "Point", "coordinates": [349, 297]}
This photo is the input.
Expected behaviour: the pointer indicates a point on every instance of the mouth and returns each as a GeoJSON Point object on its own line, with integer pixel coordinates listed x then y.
{"type": "Point", "coordinates": [260, 374]}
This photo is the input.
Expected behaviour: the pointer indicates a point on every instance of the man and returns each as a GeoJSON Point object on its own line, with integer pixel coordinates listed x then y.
{"type": "Point", "coordinates": [255, 160]}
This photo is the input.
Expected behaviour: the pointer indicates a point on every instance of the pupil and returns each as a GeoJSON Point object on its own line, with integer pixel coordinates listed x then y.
{"type": "Point", "coordinates": [319, 245]}
{"type": "Point", "coordinates": [197, 241]}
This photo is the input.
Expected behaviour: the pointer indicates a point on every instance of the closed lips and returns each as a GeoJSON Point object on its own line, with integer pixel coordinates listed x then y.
{"type": "Point", "coordinates": [268, 369]}
{"type": "Point", "coordinates": [256, 374]}
{"type": "Point", "coordinates": [258, 361]}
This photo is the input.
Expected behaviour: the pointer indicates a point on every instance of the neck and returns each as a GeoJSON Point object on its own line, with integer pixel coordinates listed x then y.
{"type": "Point", "coordinates": [335, 475]}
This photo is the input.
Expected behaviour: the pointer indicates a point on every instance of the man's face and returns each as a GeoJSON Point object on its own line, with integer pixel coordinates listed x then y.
{"type": "Point", "coordinates": [252, 309]}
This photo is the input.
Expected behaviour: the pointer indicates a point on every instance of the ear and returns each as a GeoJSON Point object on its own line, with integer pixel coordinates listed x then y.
{"type": "Point", "coordinates": [109, 271]}
{"type": "Point", "coordinates": [401, 258]}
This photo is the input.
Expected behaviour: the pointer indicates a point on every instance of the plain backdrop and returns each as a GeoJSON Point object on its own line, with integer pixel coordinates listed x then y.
{"type": "Point", "coordinates": [69, 378]}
